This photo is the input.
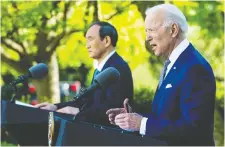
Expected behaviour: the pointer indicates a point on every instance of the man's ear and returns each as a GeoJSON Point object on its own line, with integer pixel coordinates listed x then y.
{"type": "Point", "coordinates": [174, 30]}
{"type": "Point", "coordinates": [107, 41]}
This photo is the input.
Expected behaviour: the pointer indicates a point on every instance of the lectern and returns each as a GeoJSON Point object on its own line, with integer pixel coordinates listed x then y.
{"type": "Point", "coordinates": [29, 127]}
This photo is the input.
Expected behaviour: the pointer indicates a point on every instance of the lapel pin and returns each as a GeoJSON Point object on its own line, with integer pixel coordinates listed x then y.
{"type": "Point", "coordinates": [174, 67]}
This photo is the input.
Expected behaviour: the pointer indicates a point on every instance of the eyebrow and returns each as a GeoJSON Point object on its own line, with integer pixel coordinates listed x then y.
{"type": "Point", "coordinates": [148, 29]}
{"type": "Point", "coordinates": [89, 37]}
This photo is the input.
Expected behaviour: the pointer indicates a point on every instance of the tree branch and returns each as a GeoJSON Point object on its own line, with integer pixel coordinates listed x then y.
{"type": "Point", "coordinates": [111, 16]}
{"type": "Point", "coordinates": [57, 40]}
{"type": "Point", "coordinates": [66, 8]}
{"type": "Point", "coordinates": [22, 46]}
{"type": "Point", "coordinates": [14, 64]}
{"type": "Point", "coordinates": [11, 46]}
{"type": "Point", "coordinates": [119, 11]}
{"type": "Point", "coordinates": [87, 13]}
{"type": "Point", "coordinates": [41, 42]}
{"type": "Point", "coordinates": [11, 36]}
{"type": "Point", "coordinates": [19, 43]}
{"type": "Point", "coordinates": [143, 5]}
{"type": "Point", "coordinates": [220, 79]}
{"type": "Point", "coordinates": [95, 14]}
{"type": "Point", "coordinates": [55, 43]}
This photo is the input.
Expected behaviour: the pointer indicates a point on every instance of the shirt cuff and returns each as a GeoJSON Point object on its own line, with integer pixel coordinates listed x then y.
{"type": "Point", "coordinates": [143, 126]}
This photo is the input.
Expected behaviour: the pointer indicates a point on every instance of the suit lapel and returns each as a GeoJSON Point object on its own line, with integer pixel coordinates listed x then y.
{"type": "Point", "coordinates": [110, 61]}
{"type": "Point", "coordinates": [172, 75]}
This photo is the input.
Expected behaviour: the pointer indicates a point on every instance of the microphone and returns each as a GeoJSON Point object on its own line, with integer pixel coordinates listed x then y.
{"type": "Point", "coordinates": [37, 71]}
{"type": "Point", "coordinates": [102, 80]}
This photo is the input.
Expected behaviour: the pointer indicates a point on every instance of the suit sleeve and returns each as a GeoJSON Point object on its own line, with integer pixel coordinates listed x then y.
{"type": "Point", "coordinates": [197, 96]}
{"type": "Point", "coordinates": [78, 103]}
{"type": "Point", "coordinates": [74, 103]}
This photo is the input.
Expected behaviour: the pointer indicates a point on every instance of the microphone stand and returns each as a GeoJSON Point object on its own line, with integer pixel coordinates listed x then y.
{"type": "Point", "coordinates": [13, 99]}
{"type": "Point", "coordinates": [14, 88]}
{"type": "Point", "coordinates": [78, 98]}
{"type": "Point", "coordinates": [81, 92]}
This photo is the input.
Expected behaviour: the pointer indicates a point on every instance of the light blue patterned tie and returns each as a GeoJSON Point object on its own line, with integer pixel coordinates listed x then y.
{"type": "Point", "coordinates": [162, 76]}
{"type": "Point", "coordinates": [96, 73]}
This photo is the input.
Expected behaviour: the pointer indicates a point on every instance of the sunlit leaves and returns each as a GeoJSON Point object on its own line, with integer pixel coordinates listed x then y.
{"type": "Point", "coordinates": [220, 7]}
{"type": "Point", "coordinates": [205, 21]}
{"type": "Point", "coordinates": [130, 27]}
{"type": "Point", "coordinates": [76, 19]}
{"type": "Point", "coordinates": [73, 52]}
{"type": "Point", "coordinates": [188, 3]}
{"type": "Point", "coordinates": [21, 21]}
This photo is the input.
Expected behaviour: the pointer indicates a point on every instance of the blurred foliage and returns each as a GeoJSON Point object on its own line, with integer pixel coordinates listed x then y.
{"type": "Point", "coordinates": [7, 139]}
{"type": "Point", "coordinates": [219, 127]}
{"type": "Point", "coordinates": [4, 143]}
{"type": "Point", "coordinates": [143, 98]}
{"type": "Point", "coordinates": [33, 28]}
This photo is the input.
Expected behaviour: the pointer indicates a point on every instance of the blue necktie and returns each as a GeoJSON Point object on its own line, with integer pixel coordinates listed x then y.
{"type": "Point", "coordinates": [162, 76]}
{"type": "Point", "coordinates": [96, 73]}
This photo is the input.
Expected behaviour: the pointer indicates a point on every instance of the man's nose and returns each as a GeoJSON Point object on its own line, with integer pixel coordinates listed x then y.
{"type": "Point", "coordinates": [148, 37]}
{"type": "Point", "coordinates": [87, 45]}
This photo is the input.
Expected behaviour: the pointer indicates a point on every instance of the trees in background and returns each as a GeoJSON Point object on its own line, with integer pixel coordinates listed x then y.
{"type": "Point", "coordinates": [53, 32]}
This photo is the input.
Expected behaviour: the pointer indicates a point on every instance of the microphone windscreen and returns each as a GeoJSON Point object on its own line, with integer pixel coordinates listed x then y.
{"type": "Point", "coordinates": [38, 71]}
{"type": "Point", "coordinates": [107, 77]}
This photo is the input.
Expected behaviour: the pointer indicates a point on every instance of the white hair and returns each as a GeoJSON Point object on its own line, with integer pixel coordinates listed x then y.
{"type": "Point", "coordinates": [172, 15]}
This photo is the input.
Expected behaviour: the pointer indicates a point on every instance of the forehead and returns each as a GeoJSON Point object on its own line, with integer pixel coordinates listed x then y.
{"type": "Point", "coordinates": [154, 18]}
{"type": "Point", "coordinates": [93, 31]}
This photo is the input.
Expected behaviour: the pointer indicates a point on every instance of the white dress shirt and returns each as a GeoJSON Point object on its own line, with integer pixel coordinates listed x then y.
{"type": "Point", "coordinates": [173, 57]}
{"type": "Point", "coordinates": [99, 66]}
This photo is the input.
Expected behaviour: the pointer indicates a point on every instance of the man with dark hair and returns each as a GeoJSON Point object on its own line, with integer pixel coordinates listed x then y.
{"type": "Point", "coordinates": [101, 42]}
{"type": "Point", "coordinates": [107, 29]}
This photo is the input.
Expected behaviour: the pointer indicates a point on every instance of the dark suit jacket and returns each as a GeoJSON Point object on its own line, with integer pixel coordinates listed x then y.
{"type": "Point", "coordinates": [111, 97]}
{"type": "Point", "coordinates": [183, 114]}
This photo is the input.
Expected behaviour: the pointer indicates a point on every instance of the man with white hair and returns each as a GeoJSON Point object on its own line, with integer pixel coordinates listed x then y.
{"type": "Point", "coordinates": [183, 105]}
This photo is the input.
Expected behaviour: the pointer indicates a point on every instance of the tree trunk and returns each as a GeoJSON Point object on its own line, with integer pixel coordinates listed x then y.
{"type": "Point", "coordinates": [48, 88]}
{"type": "Point", "coordinates": [143, 5]}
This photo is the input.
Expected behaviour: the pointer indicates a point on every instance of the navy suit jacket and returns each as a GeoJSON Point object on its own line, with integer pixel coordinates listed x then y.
{"type": "Point", "coordinates": [112, 96]}
{"type": "Point", "coordinates": [184, 113]}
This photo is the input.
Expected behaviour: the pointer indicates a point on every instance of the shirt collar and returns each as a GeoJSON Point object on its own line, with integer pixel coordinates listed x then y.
{"type": "Point", "coordinates": [100, 66]}
{"type": "Point", "coordinates": [178, 50]}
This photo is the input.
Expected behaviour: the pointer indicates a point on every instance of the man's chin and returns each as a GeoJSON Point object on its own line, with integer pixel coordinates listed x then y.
{"type": "Point", "coordinates": [156, 53]}
{"type": "Point", "coordinates": [91, 56]}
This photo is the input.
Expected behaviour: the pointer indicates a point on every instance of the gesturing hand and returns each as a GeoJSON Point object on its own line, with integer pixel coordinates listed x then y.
{"type": "Point", "coordinates": [129, 121]}
{"type": "Point", "coordinates": [115, 111]}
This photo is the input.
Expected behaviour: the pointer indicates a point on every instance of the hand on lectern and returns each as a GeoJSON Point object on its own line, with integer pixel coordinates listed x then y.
{"type": "Point", "coordinates": [46, 106]}
{"type": "Point", "coordinates": [69, 110]}
{"type": "Point", "coordinates": [115, 111]}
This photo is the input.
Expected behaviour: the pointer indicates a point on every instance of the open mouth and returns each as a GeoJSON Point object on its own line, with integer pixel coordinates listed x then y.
{"type": "Point", "coordinates": [153, 46]}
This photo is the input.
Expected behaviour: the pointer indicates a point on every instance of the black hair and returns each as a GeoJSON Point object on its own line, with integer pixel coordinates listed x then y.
{"type": "Point", "coordinates": [106, 29]}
